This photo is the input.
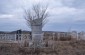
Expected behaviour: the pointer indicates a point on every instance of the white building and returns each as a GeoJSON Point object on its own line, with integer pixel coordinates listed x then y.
{"type": "Point", "coordinates": [15, 37]}
{"type": "Point", "coordinates": [74, 35]}
{"type": "Point", "coordinates": [81, 35]}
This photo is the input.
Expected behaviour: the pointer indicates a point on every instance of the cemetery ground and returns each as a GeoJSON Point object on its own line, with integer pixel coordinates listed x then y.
{"type": "Point", "coordinates": [59, 48]}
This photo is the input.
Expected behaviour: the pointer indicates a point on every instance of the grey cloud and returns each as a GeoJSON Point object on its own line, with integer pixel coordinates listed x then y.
{"type": "Point", "coordinates": [8, 6]}
{"type": "Point", "coordinates": [74, 3]}
{"type": "Point", "coordinates": [14, 6]}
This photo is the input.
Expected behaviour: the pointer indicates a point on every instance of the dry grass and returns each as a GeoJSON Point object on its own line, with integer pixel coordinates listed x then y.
{"type": "Point", "coordinates": [60, 48]}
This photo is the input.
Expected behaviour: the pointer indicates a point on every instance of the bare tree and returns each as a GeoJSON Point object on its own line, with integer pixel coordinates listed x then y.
{"type": "Point", "coordinates": [37, 12]}
{"type": "Point", "coordinates": [36, 19]}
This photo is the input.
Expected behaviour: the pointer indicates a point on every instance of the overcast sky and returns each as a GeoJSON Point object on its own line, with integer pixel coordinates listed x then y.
{"type": "Point", "coordinates": [65, 15]}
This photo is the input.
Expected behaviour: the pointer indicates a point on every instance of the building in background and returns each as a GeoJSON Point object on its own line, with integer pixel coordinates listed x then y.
{"type": "Point", "coordinates": [81, 35]}
{"type": "Point", "coordinates": [74, 35]}
{"type": "Point", "coordinates": [20, 37]}
{"type": "Point", "coordinates": [24, 38]}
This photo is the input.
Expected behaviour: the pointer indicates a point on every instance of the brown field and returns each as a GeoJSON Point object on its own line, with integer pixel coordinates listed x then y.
{"type": "Point", "coordinates": [59, 48]}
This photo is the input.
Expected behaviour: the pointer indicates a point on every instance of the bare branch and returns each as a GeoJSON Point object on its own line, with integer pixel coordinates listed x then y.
{"type": "Point", "coordinates": [37, 12]}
